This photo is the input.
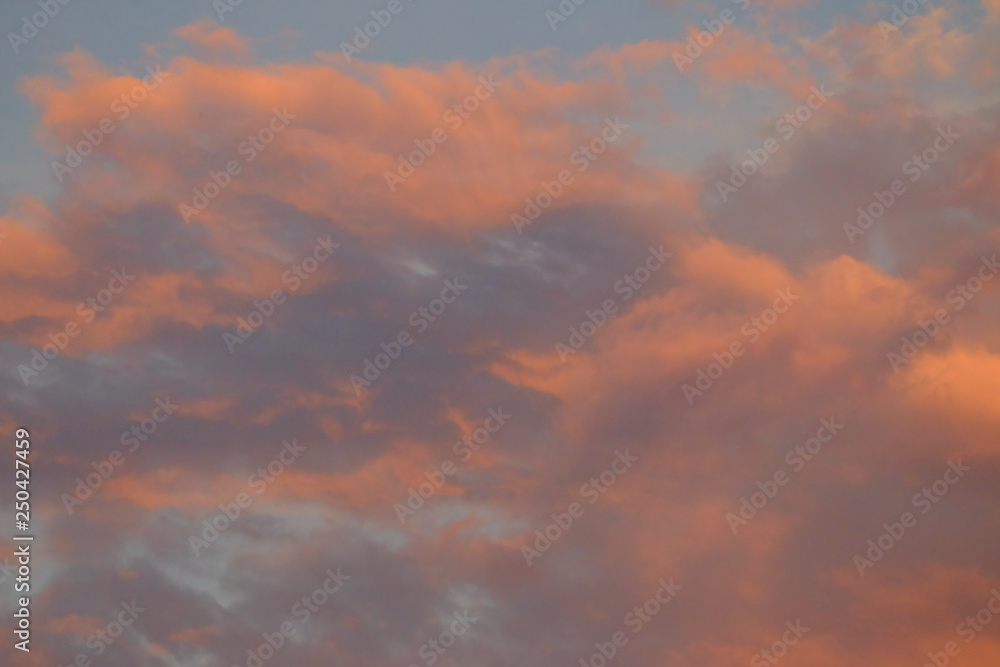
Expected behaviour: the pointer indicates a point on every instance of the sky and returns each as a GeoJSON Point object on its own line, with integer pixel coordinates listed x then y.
{"type": "Point", "coordinates": [647, 333]}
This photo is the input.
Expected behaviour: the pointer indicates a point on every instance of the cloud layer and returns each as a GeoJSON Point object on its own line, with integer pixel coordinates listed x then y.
{"type": "Point", "coordinates": [781, 386]}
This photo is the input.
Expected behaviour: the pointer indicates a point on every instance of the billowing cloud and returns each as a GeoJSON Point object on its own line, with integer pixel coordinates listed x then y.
{"type": "Point", "coordinates": [453, 361]}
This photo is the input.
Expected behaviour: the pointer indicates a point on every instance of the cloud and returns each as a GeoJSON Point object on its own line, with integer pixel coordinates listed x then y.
{"type": "Point", "coordinates": [322, 175]}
